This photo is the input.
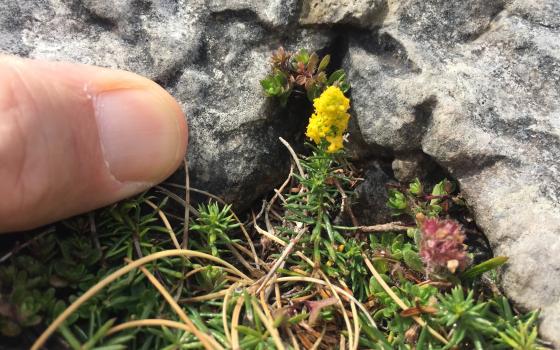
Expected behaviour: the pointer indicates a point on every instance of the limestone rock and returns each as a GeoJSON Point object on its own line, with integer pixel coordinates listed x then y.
{"type": "Point", "coordinates": [234, 129]}
{"type": "Point", "coordinates": [370, 202]}
{"type": "Point", "coordinates": [363, 13]}
{"type": "Point", "coordinates": [408, 166]}
{"type": "Point", "coordinates": [477, 87]}
{"type": "Point", "coordinates": [272, 13]}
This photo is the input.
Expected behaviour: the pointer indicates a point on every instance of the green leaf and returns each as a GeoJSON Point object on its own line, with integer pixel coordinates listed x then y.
{"type": "Point", "coordinates": [98, 335]}
{"type": "Point", "coordinates": [298, 318]}
{"type": "Point", "coordinates": [483, 267]}
{"type": "Point", "coordinates": [412, 260]}
{"type": "Point", "coordinates": [415, 187]}
{"type": "Point", "coordinates": [69, 337]}
{"type": "Point", "coordinates": [329, 228]}
{"type": "Point", "coordinates": [270, 86]}
{"type": "Point", "coordinates": [312, 63]}
{"type": "Point", "coordinates": [439, 189]}
{"type": "Point", "coordinates": [302, 56]}
{"type": "Point", "coordinates": [313, 91]}
{"type": "Point", "coordinates": [415, 234]}
{"type": "Point", "coordinates": [422, 338]}
{"type": "Point", "coordinates": [344, 87]}
{"type": "Point", "coordinates": [442, 188]}
{"type": "Point", "coordinates": [337, 76]}
{"type": "Point", "coordinates": [435, 209]}
{"type": "Point", "coordinates": [321, 79]}
{"type": "Point", "coordinates": [112, 347]}
{"type": "Point", "coordinates": [324, 63]}
{"type": "Point", "coordinates": [397, 201]}
{"type": "Point", "coordinates": [504, 309]}
{"type": "Point", "coordinates": [330, 250]}
{"type": "Point", "coordinates": [275, 84]}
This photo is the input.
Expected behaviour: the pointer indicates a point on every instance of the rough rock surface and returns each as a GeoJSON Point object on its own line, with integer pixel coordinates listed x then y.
{"type": "Point", "coordinates": [408, 166]}
{"type": "Point", "coordinates": [369, 204]}
{"type": "Point", "coordinates": [474, 84]}
{"type": "Point", "coordinates": [363, 13]}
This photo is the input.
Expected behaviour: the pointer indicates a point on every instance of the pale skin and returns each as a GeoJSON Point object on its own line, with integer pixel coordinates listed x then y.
{"type": "Point", "coordinates": [74, 138]}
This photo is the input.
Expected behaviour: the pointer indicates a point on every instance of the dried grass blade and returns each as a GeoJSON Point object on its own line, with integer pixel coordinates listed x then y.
{"type": "Point", "coordinates": [207, 341]}
{"type": "Point", "coordinates": [398, 301]}
{"type": "Point", "coordinates": [166, 223]}
{"type": "Point", "coordinates": [114, 276]}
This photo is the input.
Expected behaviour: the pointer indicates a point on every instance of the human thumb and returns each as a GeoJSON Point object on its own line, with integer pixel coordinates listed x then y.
{"type": "Point", "coordinates": [76, 137]}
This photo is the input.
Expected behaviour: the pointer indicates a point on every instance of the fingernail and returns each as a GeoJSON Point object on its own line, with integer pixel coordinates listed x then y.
{"type": "Point", "coordinates": [141, 132]}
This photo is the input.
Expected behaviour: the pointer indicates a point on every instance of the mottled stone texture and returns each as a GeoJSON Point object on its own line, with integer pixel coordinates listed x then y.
{"type": "Point", "coordinates": [475, 85]}
{"type": "Point", "coordinates": [363, 13]}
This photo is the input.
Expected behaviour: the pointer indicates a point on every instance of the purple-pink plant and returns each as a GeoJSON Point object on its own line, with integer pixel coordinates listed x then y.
{"type": "Point", "coordinates": [442, 245]}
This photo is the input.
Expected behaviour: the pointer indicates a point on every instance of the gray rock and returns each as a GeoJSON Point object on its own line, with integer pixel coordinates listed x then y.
{"type": "Point", "coordinates": [150, 40]}
{"type": "Point", "coordinates": [234, 147]}
{"type": "Point", "coordinates": [114, 11]}
{"type": "Point", "coordinates": [272, 13]}
{"type": "Point", "coordinates": [378, 64]}
{"type": "Point", "coordinates": [370, 202]}
{"type": "Point", "coordinates": [363, 13]}
{"type": "Point", "coordinates": [476, 85]}
{"type": "Point", "coordinates": [408, 166]}
{"type": "Point", "coordinates": [11, 27]}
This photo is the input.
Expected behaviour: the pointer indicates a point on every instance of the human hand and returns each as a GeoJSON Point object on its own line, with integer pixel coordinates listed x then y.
{"type": "Point", "coordinates": [74, 138]}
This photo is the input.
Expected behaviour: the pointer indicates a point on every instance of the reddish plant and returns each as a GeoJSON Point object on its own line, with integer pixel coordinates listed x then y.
{"type": "Point", "coordinates": [442, 245]}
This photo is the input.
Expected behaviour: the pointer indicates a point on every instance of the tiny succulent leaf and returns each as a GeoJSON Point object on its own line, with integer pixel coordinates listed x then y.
{"type": "Point", "coordinates": [412, 260]}
{"type": "Point", "coordinates": [302, 56]}
{"type": "Point", "coordinates": [324, 63]}
{"type": "Point", "coordinates": [397, 201]}
{"type": "Point", "coordinates": [336, 77]}
{"type": "Point", "coordinates": [483, 267]}
{"type": "Point", "coordinates": [312, 63]}
{"type": "Point", "coordinates": [415, 187]}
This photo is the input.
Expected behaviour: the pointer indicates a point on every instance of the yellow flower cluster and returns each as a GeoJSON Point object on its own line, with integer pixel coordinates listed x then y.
{"type": "Point", "coordinates": [330, 119]}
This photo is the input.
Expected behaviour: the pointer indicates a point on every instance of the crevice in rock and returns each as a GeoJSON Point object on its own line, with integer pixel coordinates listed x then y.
{"type": "Point", "coordinates": [498, 14]}
{"type": "Point", "coordinates": [141, 6]}
{"type": "Point", "coordinates": [430, 172]}
{"type": "Point", "coordinates": [338, 49]}
{"type": "Point", "coordinates": [266, 159]}
{"type": "Point", "coordinates": [170, 78]}
{"type": "Point", "coordinates": [545, 25]}
{"type": "Point", "coordinates": [424, 110]}
{"type": "Point", "coordinates": [386, 48]}
{"type": "Point", "coordinates": [482, 161]}
{"type": "Point", "coordinates": [246, 15]}
{"type": "Point", "coordinates": [422, 113]}
{"type": "Point", "coordinates": [332, 14]}
{"type": "Point", "coordinates": [131, 28]}
{"type": "Point", "coordinates": [535, 19]}
{"type": "Point", "coordinates": [391, 50]}
{"type": "Point", "coordinates": [90, 17]}
{"type": "Point", "coordinates": [126, 24]}
{"type": "Point", "coordinates": [371, 195]}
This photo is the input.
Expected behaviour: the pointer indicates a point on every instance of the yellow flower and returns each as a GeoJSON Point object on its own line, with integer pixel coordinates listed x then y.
{"type": "Point", "coordinates": [330, 120]}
